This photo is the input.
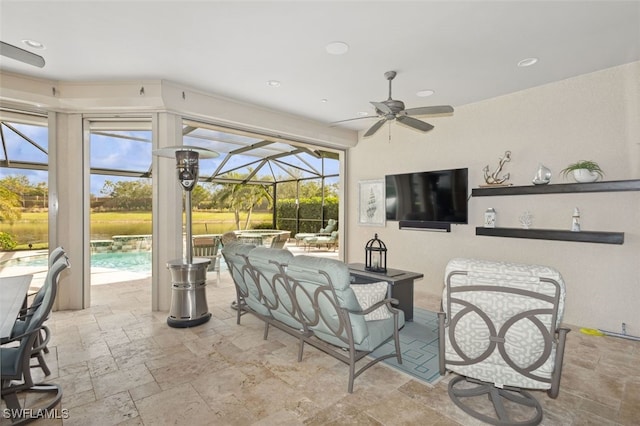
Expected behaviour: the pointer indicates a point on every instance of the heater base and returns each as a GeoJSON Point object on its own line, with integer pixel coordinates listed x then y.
{"type": "Point", "coordinates": [188, 295]}
{"type": "Point", "coordinates": [181, 323]}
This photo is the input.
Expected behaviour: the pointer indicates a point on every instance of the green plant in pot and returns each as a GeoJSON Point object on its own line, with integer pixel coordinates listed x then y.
{"type": "Point", "coordinates": [583, 171]}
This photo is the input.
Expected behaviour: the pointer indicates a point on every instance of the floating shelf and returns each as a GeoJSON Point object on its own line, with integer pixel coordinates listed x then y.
{"type": "Point", "coordinates": [563, 188]}
{"type": "Point", "coordinates": [554, 234]}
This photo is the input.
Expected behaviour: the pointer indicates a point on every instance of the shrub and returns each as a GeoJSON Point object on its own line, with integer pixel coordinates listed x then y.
{"type": "Point", "coordinates": [6, 241]}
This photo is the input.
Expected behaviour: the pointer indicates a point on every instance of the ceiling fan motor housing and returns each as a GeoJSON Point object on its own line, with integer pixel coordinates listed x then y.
{"type": "Point", "coordinates": [394, 105]}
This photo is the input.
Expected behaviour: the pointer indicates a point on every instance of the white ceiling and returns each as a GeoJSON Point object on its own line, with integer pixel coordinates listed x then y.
{"type": "Point", "coordinates": [465, 51]}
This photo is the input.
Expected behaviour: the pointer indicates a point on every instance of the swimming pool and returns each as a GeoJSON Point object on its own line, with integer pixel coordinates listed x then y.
{"type": "Point", "coordinates": [139, 262]}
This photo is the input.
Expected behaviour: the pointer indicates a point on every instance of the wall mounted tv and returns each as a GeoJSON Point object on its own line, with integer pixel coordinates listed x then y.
{"type": "Point", "coordinates": [431, 199]}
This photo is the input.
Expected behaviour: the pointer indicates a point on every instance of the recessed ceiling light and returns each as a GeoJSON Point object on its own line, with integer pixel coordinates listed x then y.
{"type": "Point", "coordinates": [337, 48]}
{"type": "Point", "coordinates": [362, 113]}
{"type": "Point", "coordinates": [33, 43]}
{"type": "Point", "coordinates": [425, 93]}
{"type": "Point", "coordinates": [527, 62]}
{"type": "Point", "coordinates": [324, 101]}
{"type": "Point", "coordinates": [273, 83]}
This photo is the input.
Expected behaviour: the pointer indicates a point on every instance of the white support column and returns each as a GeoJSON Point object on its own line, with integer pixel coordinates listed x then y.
{"type": "Point", "coordinates": [68, 208]}
{"type": "Point", "coordinates": [167, 209]}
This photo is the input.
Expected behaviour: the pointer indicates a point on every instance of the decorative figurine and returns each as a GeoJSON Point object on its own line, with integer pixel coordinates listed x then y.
{"type": "Point", "coordinates": [493, 178]}
{"type": "Point", "coordinates": [575, 223]}
{"type": "Point", "coordinates": [490, 218]}
{"type": "Point", "coordinates": [543, 175]}
{"type": "Point", "coordinates": [526, 220]}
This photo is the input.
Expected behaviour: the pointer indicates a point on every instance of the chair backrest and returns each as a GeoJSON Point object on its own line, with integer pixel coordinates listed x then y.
{"type": "Point", "coordinates": [331, 226]}
{"type": "Point", "coordinates": [228, 237]}
{"type": "Point", "coordinates": [323, 285]}
{"type": "Point", "coordinates": [501, 320]}
{"type": "Point", "coordinates": [205, 246]}
{"type": "Point", "coordinates": [280, 240]}
{"type": "Point", "coordinates": [56, 255]}
{"type": "Point", "coordinates": [268, 268]}
{"type": "Point", "coordinates": [19, 361]}
{"type": "Point", "coordinates": [235, 256]}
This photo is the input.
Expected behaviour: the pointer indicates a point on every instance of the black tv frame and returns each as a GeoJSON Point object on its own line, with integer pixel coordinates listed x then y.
{"type": "Point", "coordinates": [432, 225]}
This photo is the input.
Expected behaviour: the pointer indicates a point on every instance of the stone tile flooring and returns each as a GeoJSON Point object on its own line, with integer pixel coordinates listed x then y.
{"type": "Point", "coordinates": [119, 363]}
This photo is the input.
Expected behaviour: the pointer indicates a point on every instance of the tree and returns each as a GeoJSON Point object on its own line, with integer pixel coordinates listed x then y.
{"type": "Point", "coordinates": [243, 197]}
{"type": "Point", "coordinates": [129, 195]}
{"type": "Point", "coordinates": [9, 205]}
{"type": "Point", "coordinates": [18, 184]}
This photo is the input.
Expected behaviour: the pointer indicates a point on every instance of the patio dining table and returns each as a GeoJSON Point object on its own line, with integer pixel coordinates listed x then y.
{"type": "Point", "coordinates": [13, 291]}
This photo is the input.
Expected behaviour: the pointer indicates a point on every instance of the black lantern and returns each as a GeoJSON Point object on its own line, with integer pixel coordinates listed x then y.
{"type": "Point", "coordinates": [375, 255]}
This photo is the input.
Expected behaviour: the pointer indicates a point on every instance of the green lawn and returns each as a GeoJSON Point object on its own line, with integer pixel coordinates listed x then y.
{"type": "Point", "coordinates": [32, 227]}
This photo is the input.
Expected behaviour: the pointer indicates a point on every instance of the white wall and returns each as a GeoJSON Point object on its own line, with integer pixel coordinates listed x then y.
{"type": "Point", "coordinates": [591, 117]}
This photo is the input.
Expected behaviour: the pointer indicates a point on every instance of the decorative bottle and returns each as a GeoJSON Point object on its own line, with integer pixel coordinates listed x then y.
{"type": "Point", "coordinates": [490, 218]}
{"type": "Point", "coordinates": [575, 224]}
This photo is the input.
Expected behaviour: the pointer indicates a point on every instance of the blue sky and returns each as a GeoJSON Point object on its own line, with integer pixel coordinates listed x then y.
{"type": "Point", "coordinates": [120, 150]}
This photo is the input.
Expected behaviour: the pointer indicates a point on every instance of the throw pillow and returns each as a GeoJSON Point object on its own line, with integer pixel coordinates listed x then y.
{"type": "Point", "coordinates": [370, 294]}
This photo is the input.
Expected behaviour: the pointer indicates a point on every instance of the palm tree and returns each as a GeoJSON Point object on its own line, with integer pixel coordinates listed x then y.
{"type": "Point", "coordinates": [241, 197]}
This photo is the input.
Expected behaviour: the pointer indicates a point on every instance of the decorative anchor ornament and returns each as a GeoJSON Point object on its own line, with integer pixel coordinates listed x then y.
{"type": "Point", "coordinates": [493, 178]}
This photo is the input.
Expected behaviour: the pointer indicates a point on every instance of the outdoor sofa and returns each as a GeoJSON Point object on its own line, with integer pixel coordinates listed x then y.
{"type": "Point", "coordinates": [312, 299]}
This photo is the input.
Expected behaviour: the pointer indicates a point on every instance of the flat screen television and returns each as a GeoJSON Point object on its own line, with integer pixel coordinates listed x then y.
{"type": "Point", "coordinates": [430, 199]}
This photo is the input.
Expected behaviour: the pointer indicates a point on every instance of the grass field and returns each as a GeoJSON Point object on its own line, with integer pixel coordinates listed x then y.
{"type": "Point", "coordinates": [32, 228]}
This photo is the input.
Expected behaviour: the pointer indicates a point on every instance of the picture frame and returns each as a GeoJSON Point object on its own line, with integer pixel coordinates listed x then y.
{"type": "Point", "coordinates": [371, 202]}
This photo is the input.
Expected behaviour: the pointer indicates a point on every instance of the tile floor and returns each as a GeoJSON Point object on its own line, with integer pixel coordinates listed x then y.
{"type": "Point", "coordinates": [119, 363]}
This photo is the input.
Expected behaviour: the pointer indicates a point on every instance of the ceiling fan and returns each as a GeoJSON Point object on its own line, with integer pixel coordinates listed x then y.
{"type": "Point", "coordinates": [393, 109]}
{"type": "Point", "coordinates": [14, 52]}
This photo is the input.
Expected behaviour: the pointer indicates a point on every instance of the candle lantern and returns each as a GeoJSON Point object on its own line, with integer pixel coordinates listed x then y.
{"type": "Point", "coordinates": [375, 255]}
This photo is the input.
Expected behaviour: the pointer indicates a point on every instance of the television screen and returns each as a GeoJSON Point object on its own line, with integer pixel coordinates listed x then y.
{"type": "Point", "coordinates": [433, 196]}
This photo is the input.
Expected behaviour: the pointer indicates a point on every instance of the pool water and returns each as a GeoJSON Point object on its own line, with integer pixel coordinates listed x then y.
{"type": "Point", "coordinates": [124, 261]}
{"type": "Point", "coordinates": [128, 261]}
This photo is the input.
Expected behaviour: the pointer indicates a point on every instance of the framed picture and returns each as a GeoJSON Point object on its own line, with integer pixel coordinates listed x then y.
{"type": "Point", "coordinates": [371, 210]}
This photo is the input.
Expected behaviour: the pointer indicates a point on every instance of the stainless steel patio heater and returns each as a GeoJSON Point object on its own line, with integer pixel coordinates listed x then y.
{"type": "Point", "coordinates": [188, 275]}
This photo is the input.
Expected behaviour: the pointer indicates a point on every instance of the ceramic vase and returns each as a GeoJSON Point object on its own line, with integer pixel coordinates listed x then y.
{"type": "Point", "coordinates": [584, 176]}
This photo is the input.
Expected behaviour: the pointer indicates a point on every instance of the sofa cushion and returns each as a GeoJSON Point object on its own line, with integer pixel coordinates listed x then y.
{"type": "Point", "coordinates": [370, 294]}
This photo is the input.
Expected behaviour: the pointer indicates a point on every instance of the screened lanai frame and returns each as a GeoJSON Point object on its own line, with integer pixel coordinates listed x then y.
{"type": "Point", "coordinates": [258, 159]}
{"type": "Point", "coordinates": [245, 157]}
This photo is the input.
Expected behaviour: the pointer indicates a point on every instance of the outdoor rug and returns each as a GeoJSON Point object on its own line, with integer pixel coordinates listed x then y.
{"type": "Point", "coordinates": [419, 346]}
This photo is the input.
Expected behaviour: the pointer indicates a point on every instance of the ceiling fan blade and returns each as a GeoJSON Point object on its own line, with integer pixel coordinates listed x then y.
{"type": "Point", "coordinates": [414, 123]}
{"type": "Point", "coordinates": [334, 123]}
{"type": "Point", "coordinates": [13, 52]}
{"type": "Point", "coordinates": [430, 110]}
{"type": "Point", "coordinates": [381, 107]}
{"type": "Point", "coordinates": [375, 127]}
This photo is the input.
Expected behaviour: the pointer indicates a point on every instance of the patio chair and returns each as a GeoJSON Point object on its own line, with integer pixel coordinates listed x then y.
{"type": "Point", "coordinates": [44, 335]}
{"type": "Point", "coordinates": [330, 242]}
{"type": "Point", "coordinates": [332, 224]}
{"type": "Point", "coordinates": [15, 367]}
{"type": "Point", "coordinates": [500, 332]}
{"type": "Point", "coordinates": [208, 246]}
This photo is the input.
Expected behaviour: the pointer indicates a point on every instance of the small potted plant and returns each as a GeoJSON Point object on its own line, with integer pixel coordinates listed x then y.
{"type": "Point", "coordinates": [583, 171]}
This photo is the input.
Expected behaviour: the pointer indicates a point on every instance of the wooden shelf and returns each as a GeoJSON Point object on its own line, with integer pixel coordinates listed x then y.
{"type": "Point", "coordinates": [564, 188]}
{"type": "Point", "coordinates": [554, 234]}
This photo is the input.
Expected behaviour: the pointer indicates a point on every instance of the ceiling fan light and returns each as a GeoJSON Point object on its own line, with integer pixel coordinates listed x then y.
{"type": "Point", "coordinates": [33, 44]}
{"type": "Point", "coordinates": [425, 93]}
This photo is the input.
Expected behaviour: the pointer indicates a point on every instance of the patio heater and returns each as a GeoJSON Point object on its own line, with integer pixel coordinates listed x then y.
{"type": "Point", "coordinates": [188, 275]}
